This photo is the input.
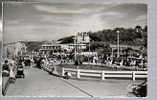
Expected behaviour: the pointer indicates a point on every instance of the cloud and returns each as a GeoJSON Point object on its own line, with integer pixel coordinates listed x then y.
{"type": "Point", "coordinates": [93, 1]}
{"type": "Point", "coordinates": [141, 18]}
{"type": "Point", "coordinates": [111, 15]}
{"type": "Point", "coordinates": [56, 10]}
{"type": "Point", "coordinates": [89, 23]}
{"type": "Point", "coordinates": [43, 21]}
{"type": "Point", "coordinates": [57, 21]}
{"type": "Point", "coordinates": [15, 22]}
{"type": "Point", "coordinates": [69, 9]}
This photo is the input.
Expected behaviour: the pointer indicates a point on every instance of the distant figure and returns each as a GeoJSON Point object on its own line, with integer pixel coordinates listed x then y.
{"type": "Point", "coordinates": [121, 63]}
{"type": "Point", "coordinates": [67, 75]}
{"type": "Point", "coordinates": [110, 62]}
{"type": "Point", "coordinates": [32, 61]}
{"type": "Point", "coordinates": [39, 62]}
{"type": "Point", "coordinates": [94, 59]}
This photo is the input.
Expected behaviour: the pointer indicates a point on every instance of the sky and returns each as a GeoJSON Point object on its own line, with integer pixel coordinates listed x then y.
{"type": "Point", "coordinates": [60, 18]}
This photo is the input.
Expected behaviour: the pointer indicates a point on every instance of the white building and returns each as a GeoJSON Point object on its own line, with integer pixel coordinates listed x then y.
{"type": "Point", "coordinates": [83, 37]}
{"type": "Point", "coordinates": [89, 53]}
{"type": "Point", "coordinates": [81, 41]}
{"type": "Point", "coordinates": [14, 49]}
{"type": "Point", "coordinates": [72, 46]}
{"type": "Point", "coordinates": [125, 46]}
{"type": "Point", "coordinates": [50, 47]}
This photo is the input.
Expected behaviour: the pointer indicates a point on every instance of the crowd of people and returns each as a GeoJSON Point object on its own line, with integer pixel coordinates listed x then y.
{"type": "Point", "coordinates": [11, 64]}
{"type": "Point", "coordinates": [121, 61]}
{"type": "Point", "coordinates": [95, 59]}
{"type": "Point", "coordinates": [9, 68]}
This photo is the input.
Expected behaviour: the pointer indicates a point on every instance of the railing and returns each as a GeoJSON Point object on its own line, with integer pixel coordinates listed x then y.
{"type": "Point", "coordinates": [103, 74]}
{"type": "Point", "coordinates": [114, 66]}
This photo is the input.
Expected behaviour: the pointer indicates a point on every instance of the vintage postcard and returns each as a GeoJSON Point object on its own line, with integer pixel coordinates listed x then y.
{"type": "Point", "coordinates": [83, 48]}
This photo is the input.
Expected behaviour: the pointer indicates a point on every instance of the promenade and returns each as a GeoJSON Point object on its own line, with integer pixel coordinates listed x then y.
{"type": "Point", "coordinates": [39, 83]}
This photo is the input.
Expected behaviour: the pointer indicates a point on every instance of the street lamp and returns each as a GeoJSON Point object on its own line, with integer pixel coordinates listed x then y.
{"type": "Point", "coordinates": [75, 45]}
{"type": "Point", "coordinates": [117, 43]}
{"type": "Point", "coordinates": [89, 50]}
{"type": "Point", "coordinates": [112, 54]}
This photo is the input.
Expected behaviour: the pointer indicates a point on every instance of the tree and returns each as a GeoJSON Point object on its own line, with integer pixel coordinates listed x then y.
{"type": "Point", "coordinates": [128, 36]}
{"type": "Point", "coordinates": [33, 45]}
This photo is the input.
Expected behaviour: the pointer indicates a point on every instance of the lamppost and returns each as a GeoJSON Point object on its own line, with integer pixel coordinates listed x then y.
{"type": "Point", "coordinates": [118, 43]}
{"type": "Point", "coordinates": [75, 44]}
{"type": "Point", "coordinates": [112, 54]}
{"type": "Point", "coordinates": [89, 50]}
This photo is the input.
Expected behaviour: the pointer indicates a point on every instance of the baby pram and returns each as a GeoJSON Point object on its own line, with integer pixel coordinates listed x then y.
{"type": "Point", "coordinates": [20, 72]}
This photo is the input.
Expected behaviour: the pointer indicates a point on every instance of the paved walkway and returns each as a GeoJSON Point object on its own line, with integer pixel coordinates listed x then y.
{"type": "Point", "coordinates": [39, 83]}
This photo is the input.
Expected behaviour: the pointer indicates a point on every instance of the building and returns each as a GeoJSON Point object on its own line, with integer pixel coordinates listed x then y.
{"type": "Point", "coordinates": [50, 47]}
{"type": "Point", "coordinates": [83, 37]}
{"type": "Point", "coordinates": [125, 46]}
{"type": "Point", "coordinates": [81, 41]}
{"type": "Point", "coordinates": [14, 49]}
{"type": "Point", "coordinates": [72, 46]}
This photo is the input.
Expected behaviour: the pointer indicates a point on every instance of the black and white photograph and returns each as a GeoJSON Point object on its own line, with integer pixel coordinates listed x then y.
{"type": "Point", "coordinates": [0, 47]}
{"type": "Point", "coordinates": [83, 48]}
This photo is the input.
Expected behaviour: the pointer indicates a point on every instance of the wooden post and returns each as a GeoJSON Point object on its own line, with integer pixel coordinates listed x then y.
{"type": "Point", "coordinates": [63, 71]}
{"type": "Point", "coordinates": [78, 73]}
{"type": "Point", "coordinates": [133, 76]}
{"type": "Point", "coordinates": [103, 75]}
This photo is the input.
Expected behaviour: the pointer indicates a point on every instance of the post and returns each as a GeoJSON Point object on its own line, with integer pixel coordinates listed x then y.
{"type": "Point", "coordinates": [118, 43]}
{"type": "Point", "coordinates": [103, 75]}
{"type": "Point", "coordinates": [133, 76]}
{"type": "Point", "coordinates": [89, 50]}
{"type": "Point", "coordinates": [78, 73]}
{"type": "Point", "coordinates": [63, 71]}
{"type": "Point", "coordinates": [142, 62]}
{"type": "Point", "coordinates": [75, 43]}
{"type": "Point", "coordinates": [89, 54]}
{"type": "Point", "coordinates": [112, 54]}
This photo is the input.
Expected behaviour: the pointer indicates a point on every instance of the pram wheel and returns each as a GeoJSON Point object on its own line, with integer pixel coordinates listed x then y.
{"type": "Point", "coordinates": [12, 80]}
{"type": "Point", "coordinates": [23, 76]}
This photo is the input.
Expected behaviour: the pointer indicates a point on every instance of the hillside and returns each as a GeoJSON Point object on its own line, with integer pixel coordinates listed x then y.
{"type": "Point", "coordinates": [33, 45]}
{"type": "Point", "coordinates": [127, 36]}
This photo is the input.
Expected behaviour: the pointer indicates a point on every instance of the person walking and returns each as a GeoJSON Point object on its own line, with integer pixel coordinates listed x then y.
{"type": "Point", "coordinates": [5, 68]}
{"type": "Point", "coordinates": [13, 70]}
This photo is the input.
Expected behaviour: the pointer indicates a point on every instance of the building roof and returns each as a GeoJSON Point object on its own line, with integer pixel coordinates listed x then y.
{"type": "Point", "coordinates": [51, 43]}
